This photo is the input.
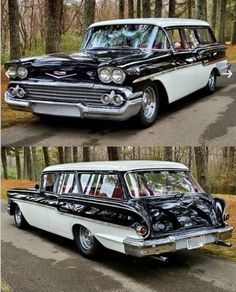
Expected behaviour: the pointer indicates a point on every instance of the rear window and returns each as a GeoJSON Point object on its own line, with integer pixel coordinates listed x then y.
{"type": "Point", "coordinates": [205, 35]}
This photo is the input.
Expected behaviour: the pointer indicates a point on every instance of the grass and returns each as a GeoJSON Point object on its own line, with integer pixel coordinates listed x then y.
{"type": "Point", "coordinates": [212, 249]}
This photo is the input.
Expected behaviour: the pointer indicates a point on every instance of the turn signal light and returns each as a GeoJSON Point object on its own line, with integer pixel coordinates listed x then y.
{"type": "Point", "coordinates": [141, 230]}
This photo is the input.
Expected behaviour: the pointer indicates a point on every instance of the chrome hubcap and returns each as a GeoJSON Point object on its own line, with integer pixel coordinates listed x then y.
{"type": "Point", "coordinates": [211, 80]}
{"type": "Point", "coordinates": [86, 238]}
{"type": "Point", "coordinates": [18, 215]}
{"type": "Point", "coordinates": [149, 102]}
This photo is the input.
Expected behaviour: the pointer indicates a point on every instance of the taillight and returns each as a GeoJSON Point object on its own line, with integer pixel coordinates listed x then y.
{"type": "Point", "coordinates": [141, 230]}
{"type": "Point", "coordinates": [225, 216]}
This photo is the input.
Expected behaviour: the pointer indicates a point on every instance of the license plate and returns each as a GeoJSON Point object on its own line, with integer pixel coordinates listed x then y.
{"type": "Point", "coordinates": [54, 109]}
{"type": "Point", "coordinates": [194, 242]}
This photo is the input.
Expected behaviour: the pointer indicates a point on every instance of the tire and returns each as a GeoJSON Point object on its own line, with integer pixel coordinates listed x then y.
{"type": "Point", "coordinates": [19, 219]}
{"type": "Point", "coordinates": [150, 106]}
{"type": "Point", "coordinates": [211, 84]}
{"type": "Point", "coordinates": [86, 243]}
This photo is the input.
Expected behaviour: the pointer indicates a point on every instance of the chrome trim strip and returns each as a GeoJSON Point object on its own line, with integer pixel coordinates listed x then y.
{"type": "Point", "coordinates": [32, 202]}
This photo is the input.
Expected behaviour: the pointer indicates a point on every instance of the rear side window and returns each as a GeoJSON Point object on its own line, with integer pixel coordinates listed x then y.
{"type": "Point", "coordinates": [67, 184]}
{"type": "Point", "coordinates": [49, 182]}
{"type": "Point", "coordinates": [190, 38]}
{"type": "Point", "coordinates": [205, 35]}
{"type": "Point", "coordinates": [101, 185]}
{"type": "Point", "coordinates": [176, 39]}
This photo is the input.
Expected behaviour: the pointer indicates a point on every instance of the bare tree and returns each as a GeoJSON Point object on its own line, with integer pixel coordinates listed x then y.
{"type": "Point", "coordinates": [234, 26]}
{"type": "Point", "coordinates": [67, 152]}
{"type": "Point", "coordinates": [213, 15]}
{"type": "Point", "coordinates": [168, 153]}
{"type": "Point", "coordinates": [35, 163]}
{"type": "Point", "coordinates": [86, 157]}
{"type": "Point", "coordinates": [131, 8]}
{"type": "Point", "coordinates": [89, 13]}
{"type": "Point", "coordinates": [113, 153]}
{"type": "Point", "coordinates": [201, 159]}
{"type": "Point", "coordinates": [222, 21]}
{"type": "Point", "coordinates": [158, 8]}
{"type": "Point", "coordinates": [46, 156]}
{"type": "Point", "coordinates": [75, 154]}
{"type": "Point", "coordinates": [172, 4]}
{"type": "Point", "coordinates": [29, 163]}
{"type": "Point", "coordinates": [53, 11]}
{"type": "Point", "coordinates": [4, 162]}
{"type": "Point", "coordinates": [14, 29]}
{"type": "Point", "coordinates": [121, 8]}
{"type": "Point", "coordinates": [201, 9]}
{"type": "Point", "coordinates": [18, 164]}
{"type": "Point", "coordinates": [138, 8]}
{"type": "Point", "coordinates": [146, 8]}
{"type": "Point", "coordinates": [60, 154]}
{"type": "Point", "coordinates": [190, 6]}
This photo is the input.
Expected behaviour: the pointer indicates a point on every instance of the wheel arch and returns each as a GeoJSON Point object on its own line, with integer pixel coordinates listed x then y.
{"type": "Point", "coordinates": [164, 99]}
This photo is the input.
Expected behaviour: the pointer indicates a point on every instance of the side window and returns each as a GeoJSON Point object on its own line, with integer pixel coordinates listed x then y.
{"type": "Point", "coordinates": [161, 42]}
{"type": "Point", "coordinates": [49, 181]}
{"type": "Point", "coordinates": [101, 185]}
{"type": "Point", "coordinates": [205, 36]}
{"type": "Point", "coordinates": [190, 38]}
{"type": "Point", "coordinates": [67, 184]}
{"type": "Point", "coordinates": [176, 39]}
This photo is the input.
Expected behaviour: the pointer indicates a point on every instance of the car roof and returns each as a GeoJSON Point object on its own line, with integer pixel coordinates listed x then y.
{"type": "Point", "coordinates": [122, 165]}
{"type": "Point", "coordinates": [162, 22]}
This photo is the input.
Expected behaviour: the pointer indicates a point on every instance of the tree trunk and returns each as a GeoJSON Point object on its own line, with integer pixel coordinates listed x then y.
{"type": "Point", "coordinates": [29, 163]}
{"type": "Point", "coordinates": [53, 14]}
{"type": "Point", "coordinates": [158, 8]}
{"type": "Point", "coordinates": [213, 15]}
{"type": "Point", "coordinates": [46, 156]}
{"type": "Point", "coordinates": [138, 8]}
{"type": "Point", "coordinates": [222, 21]}
{"type": "Point", "coordinates": [190, 6]}
{"type": "Point", "coordinates": [25, 171]}
{"type": "Point", "coordinates": [201, 159]}
{"type": "Point", "coordinates": [201, 9]}
{"type": "Point", "coordinates": [85, 154]}
{"type": "Point", "coordinates": [121, 8]}
{"type": "Point", "coordinates": [89, 13]}
{"type": "Point", "coordinates": [131, 8]}
{"type": "Point", "coordinates": [18, 164]}
{"type": "Point", "coordinates": [67, 155]}
{"type": "Point", "coordinates": [232, 158]}
{"type": "Point", "coordinates": [168, 153]}
{"type": "Point", "coordinates": [35, 163]}
{"type": "Point", "coordinates": [234, 27]}
{"type": "Point", "coordinates": [60, 154]}
{"type": "Point", "coordinates": [75, 154]}
{"type": "Point", "coordinates": [172, 8]}
{"type": "Point", "coordinates": [4, 162]}
{"type": "Point", "coordinates": [146, 8]}
{"type": "Point", "coordinates": [14, 19]}
{"type": "Point", "coordinates": [113, 153]}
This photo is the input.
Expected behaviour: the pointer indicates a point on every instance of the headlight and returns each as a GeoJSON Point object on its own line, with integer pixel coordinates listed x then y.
{"type": "Point", "coordinates": [105, 75]}
{"type": "Point", "coordinates": [11, 71]}
{"type": "Point", "coordinates": [109, 74]}
{"type": "Point", "coordinates": [22, 72]}
{"type": "Point", "coordinates": [118, 76]}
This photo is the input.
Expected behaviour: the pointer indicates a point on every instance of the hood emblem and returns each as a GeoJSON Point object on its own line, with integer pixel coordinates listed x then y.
{"type": "Point", "coordinates": [59, 73]}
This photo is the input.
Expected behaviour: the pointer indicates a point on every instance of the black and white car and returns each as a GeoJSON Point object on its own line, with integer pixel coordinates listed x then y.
{"type": "Point", "coordinates": [125, 68]}
{"type": "Point", "coordinates": [138, 208]}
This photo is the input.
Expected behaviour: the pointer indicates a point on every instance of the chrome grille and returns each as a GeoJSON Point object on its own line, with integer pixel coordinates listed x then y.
{"type": "Point", "coordinates": [91, 97]}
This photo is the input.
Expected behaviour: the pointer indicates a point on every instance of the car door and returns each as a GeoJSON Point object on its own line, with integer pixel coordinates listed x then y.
{"type": "Point", "coordinates": [182, 80]}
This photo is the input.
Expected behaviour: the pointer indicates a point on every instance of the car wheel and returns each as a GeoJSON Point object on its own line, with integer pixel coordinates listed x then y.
{"type": "Point", "coordinates": [211, 84]}
{"type": "Point", "coordinates": [150, 105]}
{"type": "Point", "coordinates": [86, 243]}
{"type": "Point", "coordinates": [20, 221]}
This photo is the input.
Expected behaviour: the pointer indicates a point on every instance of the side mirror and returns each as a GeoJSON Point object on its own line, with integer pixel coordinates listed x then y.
{"type": "Point", "coordinates": [36, 186]}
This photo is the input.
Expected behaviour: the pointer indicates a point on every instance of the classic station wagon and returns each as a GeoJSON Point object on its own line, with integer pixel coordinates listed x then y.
{"type": "Point", "coordinates": [138, 208]}
{"type": "Point", "coordinates": [125, 68]}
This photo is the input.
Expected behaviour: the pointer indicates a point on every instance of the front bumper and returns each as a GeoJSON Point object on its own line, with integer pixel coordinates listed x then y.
{"type": "Point", "coordinates": [141, 248]}
{"type": "Point", "coordinates": [56, 107]}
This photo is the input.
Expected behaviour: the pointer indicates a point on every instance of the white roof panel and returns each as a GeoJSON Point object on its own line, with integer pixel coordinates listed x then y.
{"type": "Point", "coordinates": [122, 165]}
{"type": "Point", "coordinates": [163, 22]}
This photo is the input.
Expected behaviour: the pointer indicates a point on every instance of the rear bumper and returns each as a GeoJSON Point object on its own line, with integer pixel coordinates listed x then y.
{"type": "Point", "coordinates": [140, 248]}
{"type": "Point", "coordinates": [56, 107]}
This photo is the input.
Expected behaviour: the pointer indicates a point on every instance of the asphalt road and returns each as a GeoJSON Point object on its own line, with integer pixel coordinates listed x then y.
{"type": "Point", "coordinates": [198, 118]}
{"type": "Point", "coordinates": [35, 260]}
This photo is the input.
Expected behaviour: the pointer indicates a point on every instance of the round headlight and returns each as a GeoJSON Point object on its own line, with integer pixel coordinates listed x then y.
{"type": "Point", "coordinates": [11, 71]}
{"type": "Point", "coordinates": [105, 75]}
{"type": "Point", "coordinates": [22, 72]}
{"type": "Point", "coordinates": [118, 76]}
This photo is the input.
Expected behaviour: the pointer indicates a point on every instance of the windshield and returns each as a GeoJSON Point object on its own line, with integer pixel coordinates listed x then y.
{"type": "Point", "coordinates": [160, 183]}
{"type": "Point", "coordinates": [125, 35]}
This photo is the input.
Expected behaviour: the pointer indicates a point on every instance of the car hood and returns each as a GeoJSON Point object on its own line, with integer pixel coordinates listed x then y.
{"type": "Point", "coordinates": [181, 212]}
{"type": "Point", "coordinates": [90, 58]}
